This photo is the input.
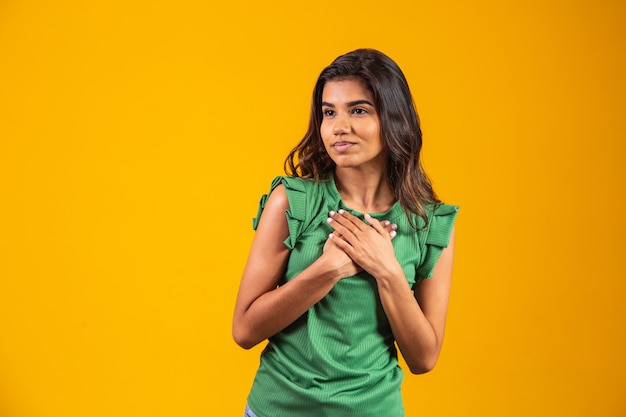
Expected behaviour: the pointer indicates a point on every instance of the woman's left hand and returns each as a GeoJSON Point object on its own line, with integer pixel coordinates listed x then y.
{"type": "Point", "coordinates": [368, 245]}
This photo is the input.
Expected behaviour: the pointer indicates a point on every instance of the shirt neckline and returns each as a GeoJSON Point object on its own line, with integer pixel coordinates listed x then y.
{"type": "Point", "coordinates": [394, 211]}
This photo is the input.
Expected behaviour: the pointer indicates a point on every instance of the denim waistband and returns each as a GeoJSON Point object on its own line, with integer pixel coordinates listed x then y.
{"type": "Point", "coordinates": [249, 413]}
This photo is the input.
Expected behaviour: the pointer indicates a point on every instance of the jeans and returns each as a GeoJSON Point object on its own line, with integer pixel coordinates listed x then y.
{"type": "Point", "coordinates": [248, 412]}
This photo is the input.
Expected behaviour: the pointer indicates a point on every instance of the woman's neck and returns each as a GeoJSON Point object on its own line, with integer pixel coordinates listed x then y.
{"type": "Point", "coordinates": [364, 192]}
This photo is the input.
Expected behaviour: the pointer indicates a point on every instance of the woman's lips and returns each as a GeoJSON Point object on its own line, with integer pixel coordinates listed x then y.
{"type": "Point", "coordinates": [342, 146]}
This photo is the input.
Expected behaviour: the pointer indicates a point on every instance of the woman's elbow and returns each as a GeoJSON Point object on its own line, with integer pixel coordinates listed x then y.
{"type": "Point", "coordinates": [242, 337]}
{"type": "Point", "coordinates": [418, 370]}
{"type": "Point", "coordinates": [422, 366]}
{"type": "Point", "coordinates": [241, 342]}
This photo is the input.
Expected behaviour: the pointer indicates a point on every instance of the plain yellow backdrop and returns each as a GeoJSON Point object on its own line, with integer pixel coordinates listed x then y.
{"type": "Point", "coordinates": [136, 138]}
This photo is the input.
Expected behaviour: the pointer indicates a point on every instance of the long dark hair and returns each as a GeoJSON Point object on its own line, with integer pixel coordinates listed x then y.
{"type": "Point", "coordinates": [399, 124]}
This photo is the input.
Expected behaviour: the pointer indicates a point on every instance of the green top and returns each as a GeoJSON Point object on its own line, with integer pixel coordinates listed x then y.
{"type": "Point", "coordinates": [339, 358]}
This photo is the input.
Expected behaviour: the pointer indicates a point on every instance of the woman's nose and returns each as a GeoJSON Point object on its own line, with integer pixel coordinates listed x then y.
{"type": "Point", "coordinates": [342, 125]}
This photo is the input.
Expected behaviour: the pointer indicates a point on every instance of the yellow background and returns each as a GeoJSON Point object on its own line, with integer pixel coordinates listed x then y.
{"type": "Point", "coordinates": [136, 138]}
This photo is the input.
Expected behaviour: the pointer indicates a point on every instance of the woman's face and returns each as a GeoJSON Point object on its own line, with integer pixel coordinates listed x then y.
{"type": "Point", "coordinates": [350, 126]}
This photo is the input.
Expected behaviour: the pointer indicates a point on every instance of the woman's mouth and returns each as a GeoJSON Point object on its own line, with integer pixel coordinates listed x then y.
{"type": "Point", "coordinates": [342, 146]}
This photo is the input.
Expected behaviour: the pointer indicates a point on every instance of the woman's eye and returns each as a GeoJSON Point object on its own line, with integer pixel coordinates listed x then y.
{"type": "Point", "coordinates": [329, 113]}
{"type": "Point", "coordinates": [359, 110]}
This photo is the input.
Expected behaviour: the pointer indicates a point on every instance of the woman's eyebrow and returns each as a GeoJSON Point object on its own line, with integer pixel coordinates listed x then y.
{"type": "Point", "coordinates": [357, 102]}
{"type": "Point", "coordinates": [350, 103]}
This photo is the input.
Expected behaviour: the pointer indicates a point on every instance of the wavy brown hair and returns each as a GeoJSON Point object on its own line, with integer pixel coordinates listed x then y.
{"type": "Point", "coordinates": [399, 125]}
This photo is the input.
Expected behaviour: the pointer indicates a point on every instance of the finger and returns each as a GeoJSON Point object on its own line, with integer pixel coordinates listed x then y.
{"type": "Point", "coordinates": [340, 230]}
{"type": "Point", "coordinates": [391, 228]}
{"type": "Point", "coordinates": [340, 221]}
{"type": "Point", "coordinates": [335, 234]}
{"type": "Point", "coordinates": [384, 227]}
{"type": "Point", "coordinates": [341, 243]}
{"type": "Point", "coordinates": [376, 224]}
{"type": "Point", "coordinates": [358, 223]}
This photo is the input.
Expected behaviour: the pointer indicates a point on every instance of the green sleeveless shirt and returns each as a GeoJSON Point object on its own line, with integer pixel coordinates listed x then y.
{"type": "Point", "coordinates": [339, 359]}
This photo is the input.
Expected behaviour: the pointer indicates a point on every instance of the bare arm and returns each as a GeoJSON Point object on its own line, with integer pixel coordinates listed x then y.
{"type": "Point", "coordinates": [262, 309]}
{"type": "Point", "coordinates": [417, 320]}
{"type": "Point", "coordinates": [419, 326]}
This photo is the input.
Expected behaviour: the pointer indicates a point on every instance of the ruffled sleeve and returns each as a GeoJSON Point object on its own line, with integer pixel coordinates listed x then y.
{"type": "Point", "coordinates": [296, 214]}
{"type": "Point", "coordinates": [437, 237]}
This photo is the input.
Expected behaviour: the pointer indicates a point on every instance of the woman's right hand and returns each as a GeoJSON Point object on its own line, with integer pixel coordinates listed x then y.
{"type": "Point", "coordinates": [340, 259]}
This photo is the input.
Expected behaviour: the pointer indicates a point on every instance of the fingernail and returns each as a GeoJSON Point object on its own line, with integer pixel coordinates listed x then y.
{"type": "Point", "coordinates": [331, 213]}
{"type": "Point", "coordinates": [386, 222]}
{"type": "Point", "coordinates": [392, 233]}
{"type": "Point", "coordinates": [394, 227]}
{"type": "Point", "coordinates": [368, 216]}
{"type": "Point", "coordinates": [330, 236]}
{"type": "Point", "coordinates": [328, 220]}
{"type": "Point", "coordinates": [340, 211]}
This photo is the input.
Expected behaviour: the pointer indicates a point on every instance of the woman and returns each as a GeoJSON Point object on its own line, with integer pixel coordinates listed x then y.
{"type": "Point", "coordinates": [334, 275]}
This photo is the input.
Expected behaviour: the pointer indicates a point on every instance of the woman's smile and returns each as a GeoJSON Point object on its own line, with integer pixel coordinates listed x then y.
{"type": "Point", "coordinates": [342, 146]}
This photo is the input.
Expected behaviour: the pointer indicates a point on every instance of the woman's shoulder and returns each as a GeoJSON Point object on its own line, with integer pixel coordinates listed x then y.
{"type": "Point", "coordinates": [440, 209]}
{"type": "Point", "coordinates": [306, 199]}
{"type": "Point", "coordinates": [433, 212]}
{"type": "Point", "coordinates": [300, 180]}
{"type": "Point", "coordinates": [300, 185]}
{"type": "Point", "coordinates": [441, 216]}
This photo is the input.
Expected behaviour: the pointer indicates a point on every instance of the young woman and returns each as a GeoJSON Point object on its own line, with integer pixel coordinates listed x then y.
{"type": "Point", "coordinates": [334, 278]}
